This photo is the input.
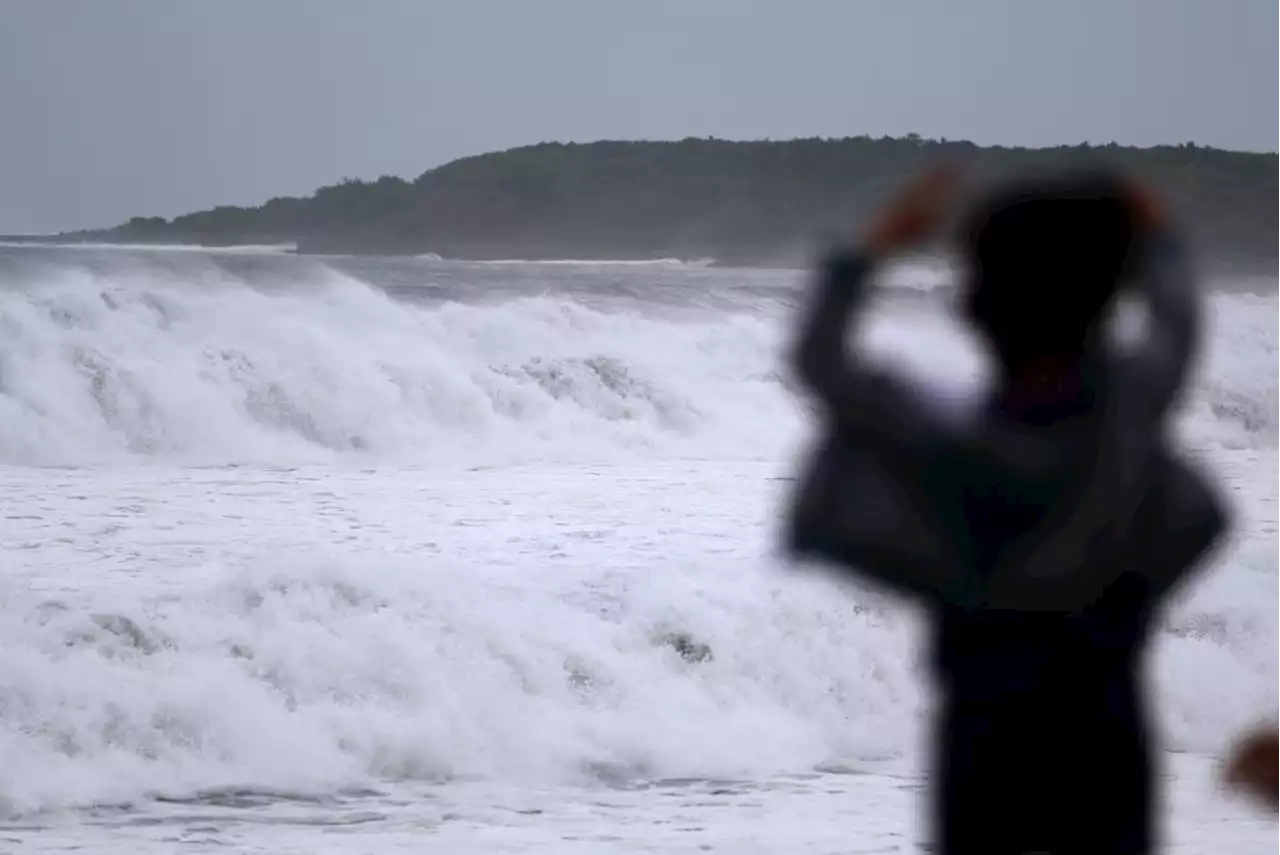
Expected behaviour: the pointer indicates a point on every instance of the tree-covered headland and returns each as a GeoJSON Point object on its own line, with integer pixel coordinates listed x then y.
{"type": "Point", "coordinates": [737, 202]}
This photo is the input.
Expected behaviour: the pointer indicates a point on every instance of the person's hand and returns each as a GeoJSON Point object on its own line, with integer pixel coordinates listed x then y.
{"type": "Point", "coordinates": [915, 213]}
{"type": "Point", "coordinates": [1253, 766]}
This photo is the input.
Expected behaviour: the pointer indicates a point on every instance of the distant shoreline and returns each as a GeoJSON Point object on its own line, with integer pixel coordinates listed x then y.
{"type": "Point", "coordinates": [749, 204]}
{"type": "Point", "coordinates": [1269, 267]}
{"type": "Point", "coordinates": [103, 240]}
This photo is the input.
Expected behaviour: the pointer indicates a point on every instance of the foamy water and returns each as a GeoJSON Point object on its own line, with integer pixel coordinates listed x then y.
{"type": "Point", "coordinates": [289, 557]}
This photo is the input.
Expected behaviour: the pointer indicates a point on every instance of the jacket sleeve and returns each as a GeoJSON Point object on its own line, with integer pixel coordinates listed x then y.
{"type": "Point", "coordinates": [863, 520]}
{"type": "Point", "coordinates": [874, 408]}
{"type": "Point", "coordinates": [1158, 370]}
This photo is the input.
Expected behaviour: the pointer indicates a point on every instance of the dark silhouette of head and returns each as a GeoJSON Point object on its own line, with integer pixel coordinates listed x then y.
{"type": "Point", "coordinates": [1046, 259]}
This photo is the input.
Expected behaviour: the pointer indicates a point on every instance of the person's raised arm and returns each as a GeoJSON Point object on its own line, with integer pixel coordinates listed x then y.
{"type": "Point", "coordinates": [870, 405]}
{"type": "Point", "coordinates": [1158, 369]}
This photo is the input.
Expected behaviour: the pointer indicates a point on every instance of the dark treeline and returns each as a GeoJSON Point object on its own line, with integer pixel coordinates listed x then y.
{"type": "Point", "coordinates": [738, 202]}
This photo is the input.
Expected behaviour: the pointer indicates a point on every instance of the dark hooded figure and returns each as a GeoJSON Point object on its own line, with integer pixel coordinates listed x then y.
{"type": "Point", "coordinates": [1042, 536]}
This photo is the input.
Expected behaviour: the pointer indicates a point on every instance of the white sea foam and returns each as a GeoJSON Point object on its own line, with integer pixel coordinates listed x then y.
{"type": "Point", "coordinates": [361, 586]}
{"type": "Point", "coordinates": [96, 369]}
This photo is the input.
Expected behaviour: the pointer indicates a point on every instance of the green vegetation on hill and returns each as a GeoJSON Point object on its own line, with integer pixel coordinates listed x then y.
{"type": "Point", "coordinates": [739, 202]}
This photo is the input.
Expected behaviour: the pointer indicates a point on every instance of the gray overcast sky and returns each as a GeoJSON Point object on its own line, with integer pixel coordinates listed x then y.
{"type": "Point", "coordinates": [111, 108]}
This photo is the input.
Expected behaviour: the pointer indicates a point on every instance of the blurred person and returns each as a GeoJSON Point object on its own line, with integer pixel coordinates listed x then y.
{"type": "Point", "coordinates": [1043, 533]}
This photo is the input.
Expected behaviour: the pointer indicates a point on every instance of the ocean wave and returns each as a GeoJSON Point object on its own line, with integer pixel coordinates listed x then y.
{"type": "Point", "coordinates": [100, 366]}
